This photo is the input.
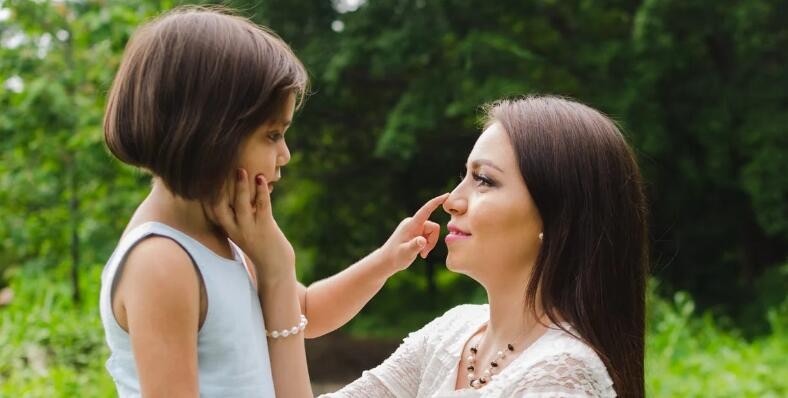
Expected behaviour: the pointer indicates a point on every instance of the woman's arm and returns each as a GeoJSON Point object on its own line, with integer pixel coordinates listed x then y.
{"type": "Point", "coordinates": [398, 376]}
{"type": "Point", "coordinates": [401, 374]}
{"type": "Point", "coordinates": [332, 302]}
{"type": "Point", "coordinates": [160, 293]}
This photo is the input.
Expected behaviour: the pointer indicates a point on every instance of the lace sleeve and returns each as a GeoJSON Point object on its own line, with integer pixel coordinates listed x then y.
{"type": "Point", "coordinates": [398, 376]}
{"type": "Point", "coordinates": [368, 385]}
{"type": "Point", "coordinates": [565, 375]}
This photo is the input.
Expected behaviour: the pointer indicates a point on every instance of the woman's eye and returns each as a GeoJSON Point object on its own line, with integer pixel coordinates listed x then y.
{"type": "Point", "coordinates": [483, 180]}
{"type": "Point", "coordinates": [275, 137]}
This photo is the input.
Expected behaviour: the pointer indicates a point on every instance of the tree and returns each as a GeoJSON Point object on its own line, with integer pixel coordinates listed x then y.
{"type": "Point", "coordinates": [64, 199]}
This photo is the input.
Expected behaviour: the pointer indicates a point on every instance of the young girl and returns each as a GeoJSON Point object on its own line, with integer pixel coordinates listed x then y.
{"type": "Point", "coordinates": [202, 101]}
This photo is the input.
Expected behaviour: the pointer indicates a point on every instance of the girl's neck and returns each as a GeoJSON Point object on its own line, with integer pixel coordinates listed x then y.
{"type": "Point", "coordinates": [163, 206]}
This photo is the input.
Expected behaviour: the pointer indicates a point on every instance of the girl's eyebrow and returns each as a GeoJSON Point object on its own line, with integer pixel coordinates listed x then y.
{"type": "Point", "coordinates": [283, 125]}
{"type": "Point", "coordinates": [479, 162]}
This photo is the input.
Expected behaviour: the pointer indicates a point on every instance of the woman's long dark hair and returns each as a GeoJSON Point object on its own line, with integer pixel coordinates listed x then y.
{"type": "Point", "coordinates": [591, 269]}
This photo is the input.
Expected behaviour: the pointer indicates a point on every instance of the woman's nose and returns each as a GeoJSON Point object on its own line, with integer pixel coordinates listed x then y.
{"type": "Point", "coordinates": [456, 203]}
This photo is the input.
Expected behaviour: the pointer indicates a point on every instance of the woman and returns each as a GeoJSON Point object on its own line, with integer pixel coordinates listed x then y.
{"type": "Point", "coordinates": [550, 219]}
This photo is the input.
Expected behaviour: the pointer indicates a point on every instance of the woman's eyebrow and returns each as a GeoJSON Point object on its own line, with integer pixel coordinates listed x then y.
{"type": "Point", "coordinates": [479, 162]}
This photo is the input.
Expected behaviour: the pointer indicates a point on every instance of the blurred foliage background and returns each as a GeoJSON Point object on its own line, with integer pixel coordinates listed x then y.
{"type": "Point", "coordinates": [699, 87]}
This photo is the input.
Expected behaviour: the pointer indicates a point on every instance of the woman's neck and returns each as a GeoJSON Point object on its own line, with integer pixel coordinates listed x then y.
{"type": "Point", "coordinates": [511, 320]}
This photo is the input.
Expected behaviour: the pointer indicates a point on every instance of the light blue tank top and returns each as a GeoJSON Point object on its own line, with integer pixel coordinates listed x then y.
{"type": "Point", "coordinates": [232, 347]}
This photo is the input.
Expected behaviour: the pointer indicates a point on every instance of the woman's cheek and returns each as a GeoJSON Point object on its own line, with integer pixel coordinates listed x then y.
{"type": "Point", "coordinates": [485, 216]}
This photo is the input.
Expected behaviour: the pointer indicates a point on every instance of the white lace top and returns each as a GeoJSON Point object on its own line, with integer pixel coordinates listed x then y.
{"type": "Point", "coordinates": [425, 365]}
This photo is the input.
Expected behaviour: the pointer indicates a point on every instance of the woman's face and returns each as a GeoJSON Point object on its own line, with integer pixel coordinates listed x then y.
{"type": "Point", "coordinates": [265, 150]}
{"type": "Point", "coordinates": [494, 228]}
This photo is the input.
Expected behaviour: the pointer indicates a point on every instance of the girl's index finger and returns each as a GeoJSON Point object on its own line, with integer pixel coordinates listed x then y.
{"type": "Point", "coordinates": [423, 214]}
{"type": "Point", "coordinates": [242, 205]}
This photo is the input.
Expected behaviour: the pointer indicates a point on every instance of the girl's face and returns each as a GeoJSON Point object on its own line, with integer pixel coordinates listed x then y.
{"type": "Point", "coordinates": [265, 150]}
{"type": "Point", "coordinates": [495, 226]}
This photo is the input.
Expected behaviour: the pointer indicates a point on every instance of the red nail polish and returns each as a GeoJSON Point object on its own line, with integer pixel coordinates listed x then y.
{"type": "Point", "coordinates": [259, 180]}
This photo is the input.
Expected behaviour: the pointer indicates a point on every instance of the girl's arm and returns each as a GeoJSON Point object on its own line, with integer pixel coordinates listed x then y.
{"type": "Point", "coordinates": [254, 230]}
{"type": "Point", "coordinates": [332, 302]}
{"type": "Point", "coordinates": [160, 293]}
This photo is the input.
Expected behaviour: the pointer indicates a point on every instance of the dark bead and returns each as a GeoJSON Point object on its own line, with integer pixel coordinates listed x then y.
{"type": "Point", "coordinates": [473, 350]}
{"type": "Point", "coordinates": [471, 368]}
{"type": "Point", "coordinates": [494, 364]}
{"type": "Point", "coordinates": [510, 347]}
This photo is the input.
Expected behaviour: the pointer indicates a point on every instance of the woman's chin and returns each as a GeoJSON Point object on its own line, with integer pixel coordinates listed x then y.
{"type": "Point", "coordinates": [452, 264]}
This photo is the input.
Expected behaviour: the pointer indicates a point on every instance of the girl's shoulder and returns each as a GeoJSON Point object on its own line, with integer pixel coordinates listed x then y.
{"type": "Point", "coordinates": [158, 260]}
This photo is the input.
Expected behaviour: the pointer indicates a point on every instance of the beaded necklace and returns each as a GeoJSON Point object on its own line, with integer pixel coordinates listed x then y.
{"type": "Point", "coordinates": [496, 364]}
{"type": "Point", "coordinates": [487, 375]}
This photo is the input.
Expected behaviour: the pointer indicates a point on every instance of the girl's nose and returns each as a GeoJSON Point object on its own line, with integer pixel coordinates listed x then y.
{"type": "Point", "coordinates": [284, 156]}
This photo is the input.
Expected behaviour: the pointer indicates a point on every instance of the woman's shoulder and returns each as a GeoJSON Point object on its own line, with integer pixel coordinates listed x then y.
{"type": "Point", "coordinates": [467, 311]}
{"type": "Point", "coordinates": [565, 340]}
{"type": "Point", "coordinates": [461, 316]}
{"type": "Point", "coordinates": [453, 322]}
{"type": "Point", "coordinates": [561, 362]}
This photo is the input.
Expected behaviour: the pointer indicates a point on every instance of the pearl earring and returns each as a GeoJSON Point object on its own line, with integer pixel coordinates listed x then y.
{"type": "Point", "coordinates": [541, 236]}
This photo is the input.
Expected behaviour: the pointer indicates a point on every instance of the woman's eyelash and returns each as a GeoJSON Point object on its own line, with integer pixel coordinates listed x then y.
{"type": "Point", "coordinates": [483, 180]}
{"type": "Point", "coordinates": [275, 136]}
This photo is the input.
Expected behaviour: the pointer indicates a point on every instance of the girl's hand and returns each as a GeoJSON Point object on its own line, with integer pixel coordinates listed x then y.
{"type": "Point", "coordinates": [251, 225]}
{"type": "Point", "coordinates": [414, 235]}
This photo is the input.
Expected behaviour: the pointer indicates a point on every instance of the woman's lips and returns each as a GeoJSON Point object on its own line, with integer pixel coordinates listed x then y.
{"type": "Point", "coordinates": [456, 234]}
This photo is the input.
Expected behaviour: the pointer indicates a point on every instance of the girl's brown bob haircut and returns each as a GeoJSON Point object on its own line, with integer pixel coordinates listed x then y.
{"type": "Point", "coordinates": [193, 84]}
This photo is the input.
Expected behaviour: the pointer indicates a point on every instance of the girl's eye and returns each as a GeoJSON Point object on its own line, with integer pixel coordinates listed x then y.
{"type": "Point", "coordinates": [483, 180]}
{"type": "Point", "coordinates": [275, 137]}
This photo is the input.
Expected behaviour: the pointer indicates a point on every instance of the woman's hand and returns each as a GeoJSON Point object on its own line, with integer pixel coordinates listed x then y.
{"type": "Point", "coordinates": [415, 235]}
{"type": "Point", "coordinates": [250, 224]}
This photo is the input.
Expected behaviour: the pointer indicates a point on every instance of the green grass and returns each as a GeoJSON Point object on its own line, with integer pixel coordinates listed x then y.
{"type": "Point", "coordinates": [51, 347]}
{"type": "Point", "coordinates": [690, 356]}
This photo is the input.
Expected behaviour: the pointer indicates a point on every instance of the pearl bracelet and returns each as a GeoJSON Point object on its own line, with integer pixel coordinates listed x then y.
{"type": "Point", "coordinates": [289, 332]}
